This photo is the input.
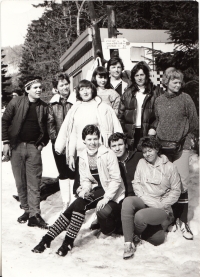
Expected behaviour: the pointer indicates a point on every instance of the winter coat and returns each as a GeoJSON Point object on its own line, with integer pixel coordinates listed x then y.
{"type": "Point", "coordinates": [107, 120]}
{"type": "Point", "coordinates": [110, 97]}
{"type": "Point", "coordinates": [57, 110]}
{"type": "Point", "coordinates": [158, 185]}
{"type": "Point", "coordinates": [109, 174]}
{"type": "Point", "coordinates": [128, 110]}
{"type": "Point", "coordinates": [127, 169]}
{"type": "Point", "coordinates": [15, 115]}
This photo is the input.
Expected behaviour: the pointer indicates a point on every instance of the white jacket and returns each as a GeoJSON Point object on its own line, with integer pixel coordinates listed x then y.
{"type": "Point", "coordinates": [107, 121]}
{"type": "Point", "coordinates": [109, 174]}
{"type": "Point", "coordinates": [158, 185]}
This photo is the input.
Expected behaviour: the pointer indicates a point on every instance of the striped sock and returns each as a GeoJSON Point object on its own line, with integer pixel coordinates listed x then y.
{"type": "Point", "coordinates": [75, 225]}
{"type": "Point", "coordinates": [58, 227]}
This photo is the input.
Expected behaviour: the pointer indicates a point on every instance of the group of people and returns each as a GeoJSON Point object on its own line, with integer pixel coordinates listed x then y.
{"type": "Point", "coordinates": [126, 144]}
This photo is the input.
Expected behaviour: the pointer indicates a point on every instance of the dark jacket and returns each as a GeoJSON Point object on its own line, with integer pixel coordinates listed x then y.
{"type": "Point", "coordinates": [127, 169]}
{"type": "Point", "coordinates": [128, 110]}
{"type": "Point", "coordinates": [57, 111]}
{"type": "Point", "coordinates": [15, 115]}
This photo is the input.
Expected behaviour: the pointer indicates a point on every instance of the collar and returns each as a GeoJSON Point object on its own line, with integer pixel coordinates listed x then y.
{"type": "Point", "coordinates": [101, 150]}
{"type": "Point", "coordinates": [56, 98]}
{"type": "Point", "coordinates": [171, 95]}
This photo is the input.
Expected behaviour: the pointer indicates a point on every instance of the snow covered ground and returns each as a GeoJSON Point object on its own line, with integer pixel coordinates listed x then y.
{"type": "Point", "coordinates": [92, 256]}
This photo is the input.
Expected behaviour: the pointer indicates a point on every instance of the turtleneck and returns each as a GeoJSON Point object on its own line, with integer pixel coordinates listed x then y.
{"type": "Point", "coordinates": [85, 114]}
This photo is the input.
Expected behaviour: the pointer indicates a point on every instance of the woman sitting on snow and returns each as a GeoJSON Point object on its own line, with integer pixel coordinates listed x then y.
{"type": "Point", "coordinates": [101, 187]}
{"type": "Point", "coordinates": [157, 186]}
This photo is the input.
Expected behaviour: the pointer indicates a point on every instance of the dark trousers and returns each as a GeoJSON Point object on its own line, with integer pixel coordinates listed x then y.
{"type": "Point", "coordinates": [27, 169]}
{"type": "Point", "coordinates": [63, 169]}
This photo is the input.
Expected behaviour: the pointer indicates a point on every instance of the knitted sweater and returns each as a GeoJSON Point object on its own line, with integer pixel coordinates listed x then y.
{"type": "Point", "coordinates": [176, 118]}
{"type": "Point", "coordinates": [85, 114]}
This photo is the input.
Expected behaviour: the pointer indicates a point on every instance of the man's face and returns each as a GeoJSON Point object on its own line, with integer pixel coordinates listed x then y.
{"type": "Point", "coordinates": [115, 71]}
{"type": "Point", "coordinates": [34, 92]}
{"type": "Point", "coordinates": [63, 88]}
{"type": "Point", "coordinates": [118, 147]}
{"type": "Point", "coordinates": [92, 142]}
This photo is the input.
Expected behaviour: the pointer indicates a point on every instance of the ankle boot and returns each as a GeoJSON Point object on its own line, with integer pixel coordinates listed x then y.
{"type": "Point", "coordinates": [44, 243]}
{"type": "Point", "coordinates": [66, 246]}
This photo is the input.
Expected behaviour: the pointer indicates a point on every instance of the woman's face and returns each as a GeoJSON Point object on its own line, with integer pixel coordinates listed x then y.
{"type": "Point", "coordinates": [92, 142]}
{"type": "Point", "coordinates": [140, 78]}
{"type": "Point", "coordinates": [115, 71]}
{"type": "Point", "coordinates": [174, 85]}
{"type": "Point", "coordinates": [101, 80]}
{"type": "Point", "coordinates": [85, 93]}
{"type": "Point", "coordinates": [63, 88]}
{"type": "Point", "coordinates": [150, 154]}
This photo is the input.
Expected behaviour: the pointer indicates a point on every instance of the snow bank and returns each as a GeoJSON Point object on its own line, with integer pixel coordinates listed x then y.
{"type": "Point", "coordinates": [92, 256]}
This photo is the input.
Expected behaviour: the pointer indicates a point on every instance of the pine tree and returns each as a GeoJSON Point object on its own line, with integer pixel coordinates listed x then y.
{"type": "Point", "coordinates": [5, 82]}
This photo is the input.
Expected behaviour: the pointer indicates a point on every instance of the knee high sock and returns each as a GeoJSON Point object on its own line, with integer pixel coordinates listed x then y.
{"type": "Point", "coordinates": [58, 227]}
{"type": "Point", "coordinates": [75, 224]}
{"type": "Point", "coordinates": [180, 208]}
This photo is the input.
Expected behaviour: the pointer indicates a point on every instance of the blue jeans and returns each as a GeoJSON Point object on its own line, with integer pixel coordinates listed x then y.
{"type": "Point", "coordinates": [27, 169]}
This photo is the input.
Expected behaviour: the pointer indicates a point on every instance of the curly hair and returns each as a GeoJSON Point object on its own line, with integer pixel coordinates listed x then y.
{"type": "Point", "coordinates": [150, 142]}
{"type": "Point", "coordinates": [171, 73]}
{"type": "Point", "coordinates": [136, 68]}
{"type": "Point", "coordinates": [90, 130]}
{"type": "Point", "coordinates": [116, 136]}
{"type": "Point", "coordinates": [60, 76]}
{"type": "Point", "coordinates": [100, 70]}
{"type": "Point", "coordinates": [85, 83]}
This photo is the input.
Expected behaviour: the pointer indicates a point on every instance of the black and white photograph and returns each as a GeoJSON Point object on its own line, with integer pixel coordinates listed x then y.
{"type": "Point", "coordinates": [100, 138]}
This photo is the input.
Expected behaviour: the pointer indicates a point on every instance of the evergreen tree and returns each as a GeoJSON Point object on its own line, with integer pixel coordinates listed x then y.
{"type": "Point", "coordinates": [5, 82]}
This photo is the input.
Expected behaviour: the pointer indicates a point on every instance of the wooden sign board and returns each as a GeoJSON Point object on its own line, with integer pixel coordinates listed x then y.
{"type": "Point", "coordinates": [115, 43]}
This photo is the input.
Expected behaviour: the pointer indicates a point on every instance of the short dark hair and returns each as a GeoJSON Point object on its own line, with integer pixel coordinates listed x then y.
{"type": "Point", "coordinates": [150, 142]}
{"type": "Point", "coordinates": [116, 136]}
{"type": "Point", "coordinates": [102, 71]}
{"type": "Point", "coordinates": [136, 68]}
{"type": "Point", "coordinates": [85, 83]}
{"type": "Point", "coordinates": [31, 78]}
{"type": "Point", "coordinates": [113, 61]}
{"type": "Point", "coordinates": [60, 76]}
{"type": "Point", "coordinates": [90, 130]}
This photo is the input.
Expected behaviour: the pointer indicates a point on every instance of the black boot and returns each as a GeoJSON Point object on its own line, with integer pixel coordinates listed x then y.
{"type": "Point", "coordinates": [44, 243]}
{"type": "Point", "coordinates": [23, 218]}
{"type": "Point", "coordinates": [37, 221]}
{"type": "Point", "coordinates": [66, 246]}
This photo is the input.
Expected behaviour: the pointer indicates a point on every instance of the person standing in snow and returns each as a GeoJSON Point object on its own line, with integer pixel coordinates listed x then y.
{"type": "Point", "coordinates": [101, 187]}
{"type": "Point", "coordinates": [118, 80]}
{"type": "Point", "coordinates": [175, 126]}
{"type": "Point", "coordinates": [157, 186]}
{"type": "Point", "coordinates": [58, 108]}
{"type": "Point", "coordinates": [89, 109]}
{"type": "Point", "coordinates": [136, 110]}
{"type": "Point", "coordinates": [24, 134]}
{"type": "Point", "coordinates": [108, 96]}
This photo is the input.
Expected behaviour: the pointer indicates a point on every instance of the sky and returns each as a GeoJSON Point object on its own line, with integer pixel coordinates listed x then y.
{"type": "Point", "coordinates": [15, 17]}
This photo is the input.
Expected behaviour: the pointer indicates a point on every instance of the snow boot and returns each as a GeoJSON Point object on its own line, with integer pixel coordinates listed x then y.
{"type": "Point", "coordinates": [23, 218]}
{"type": "Point", "coordinates": [44, 243]}
{"type": "Point", "coordinates": [66, 246]}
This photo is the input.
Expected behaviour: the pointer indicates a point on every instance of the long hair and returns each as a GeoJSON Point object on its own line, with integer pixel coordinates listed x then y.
{"type": "Point", "coordinates": [135, 69]}
{"type": "Point", "coordinates": [100, 70]}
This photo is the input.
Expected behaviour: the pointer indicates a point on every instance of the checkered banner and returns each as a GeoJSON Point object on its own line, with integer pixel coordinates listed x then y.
{"type": "Point", "coordinates": [156, 77]}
